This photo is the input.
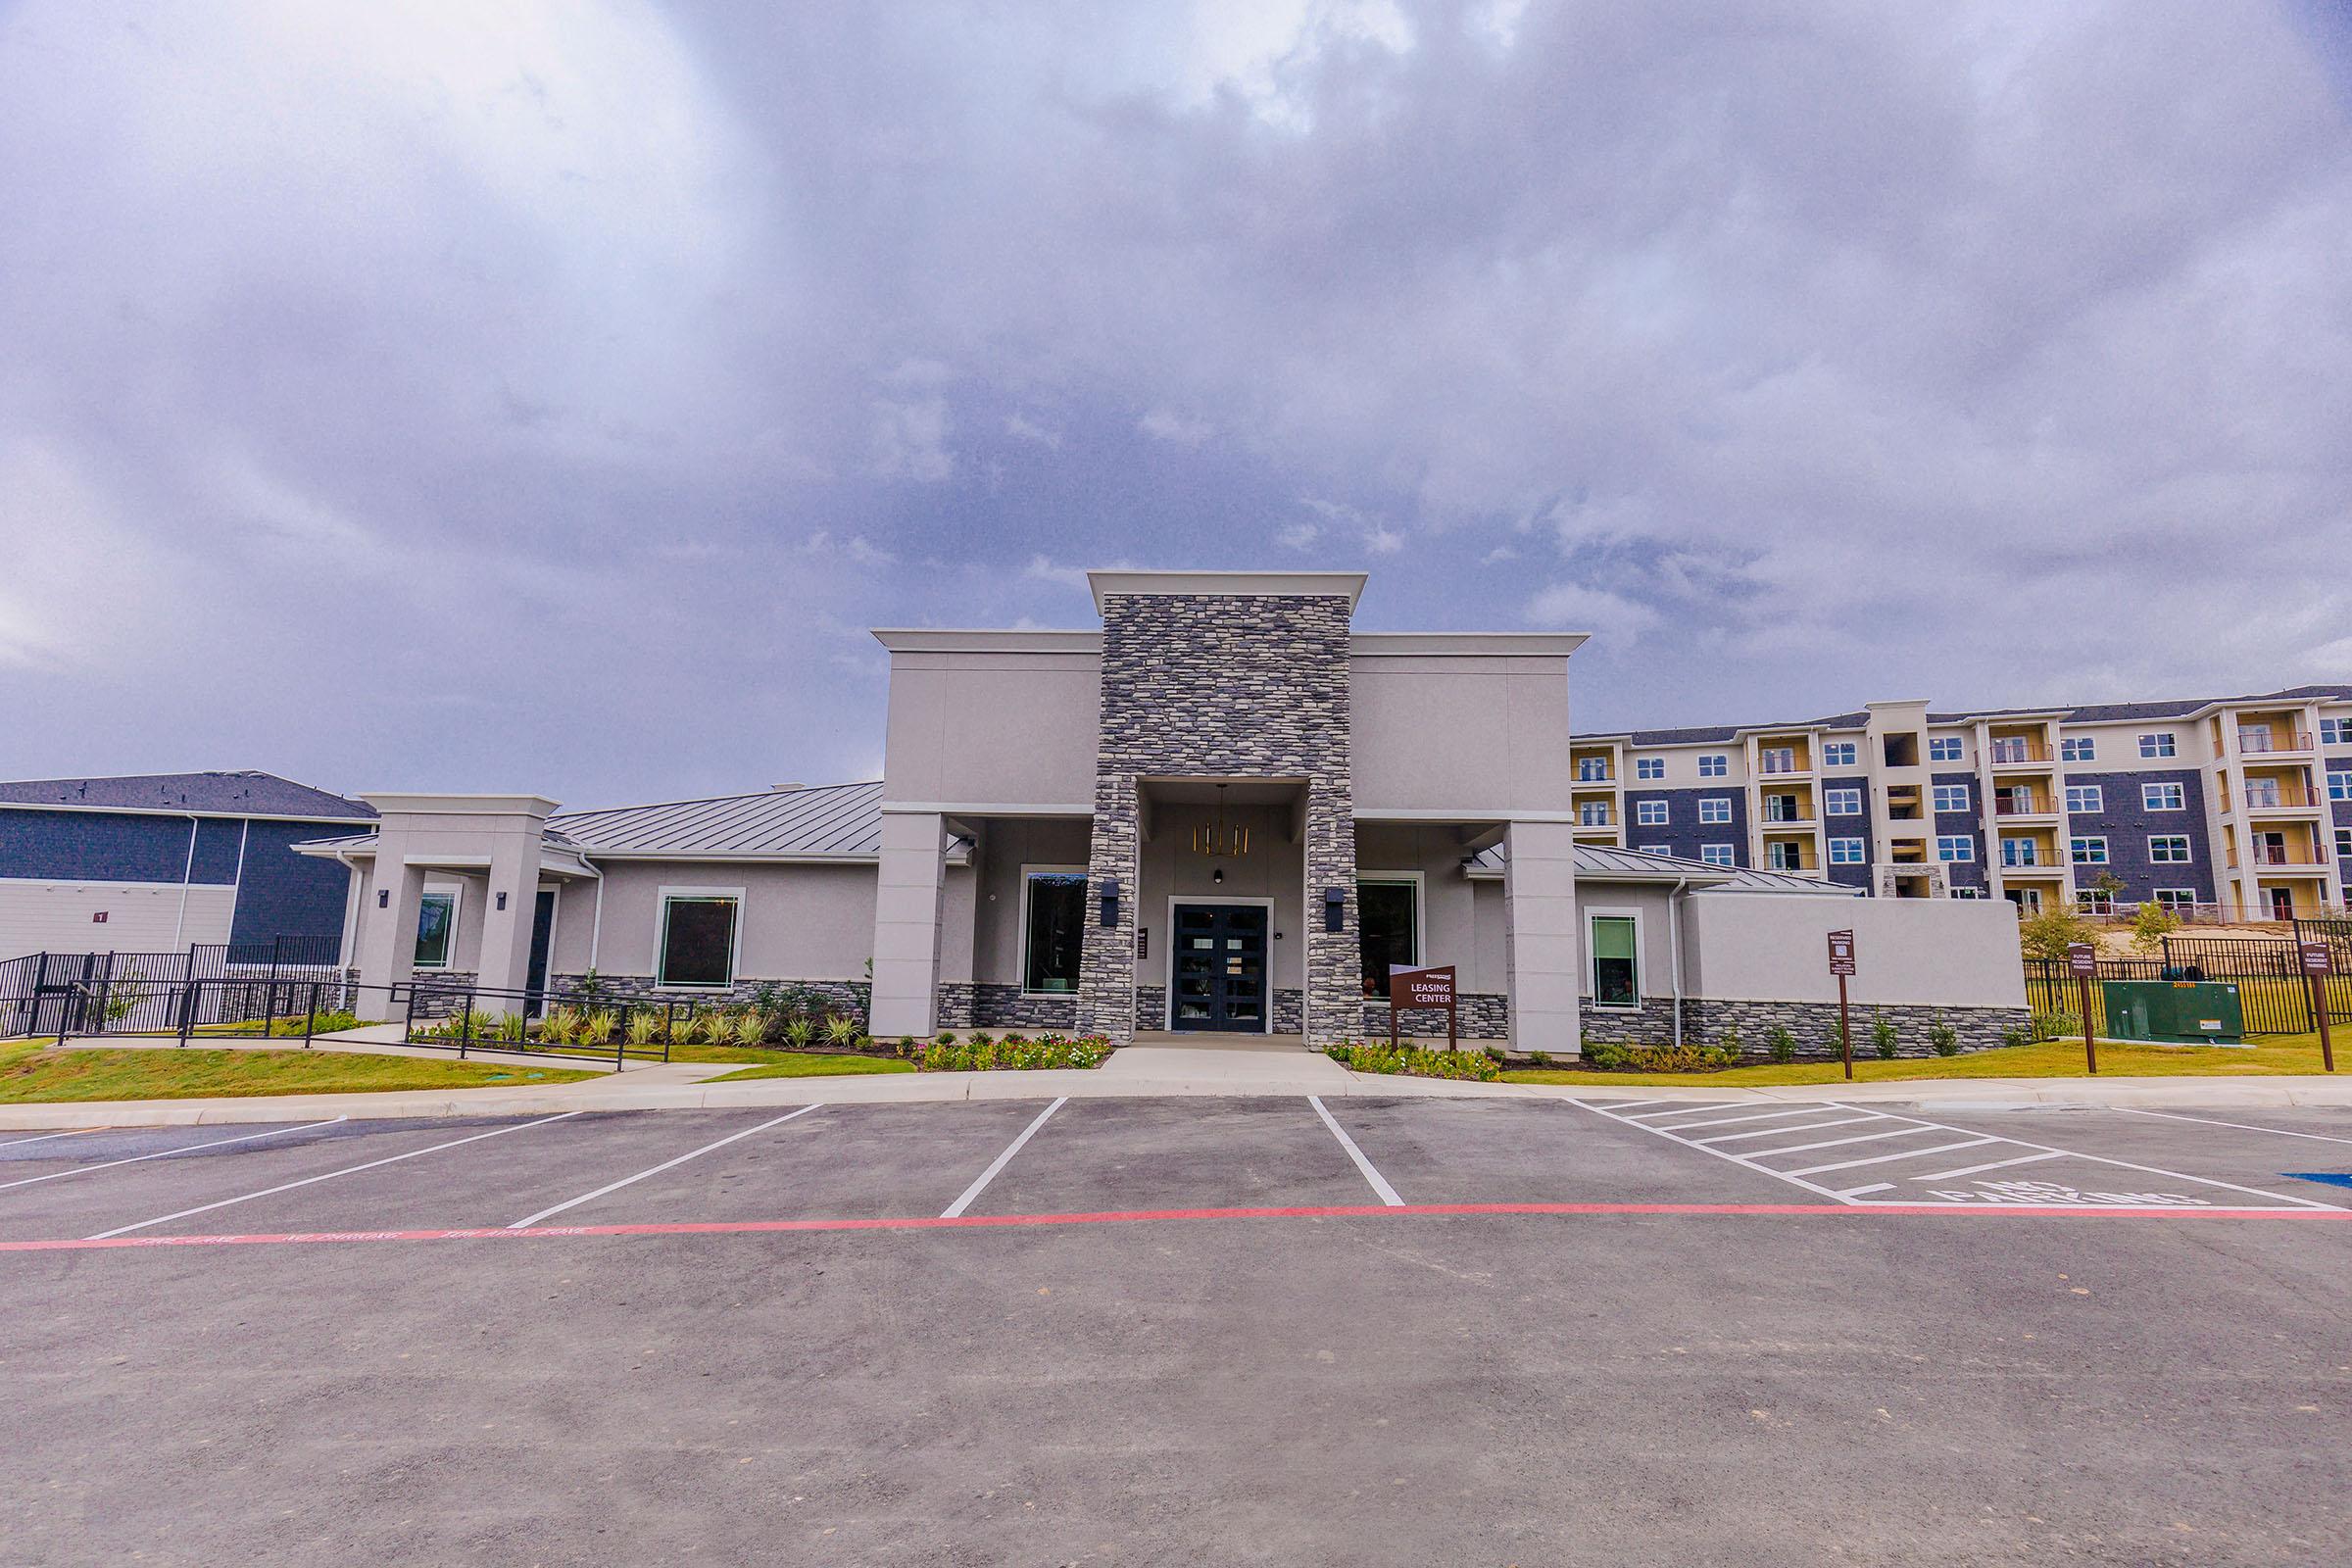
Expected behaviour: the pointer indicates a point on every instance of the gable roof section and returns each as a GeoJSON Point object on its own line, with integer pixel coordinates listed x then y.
{"type": "Point", "coordinates": [1605, 863]}
{"type": "Point", "coordinates": [244, 792]}
{"type": "Point", "coordinates": [827, 822]}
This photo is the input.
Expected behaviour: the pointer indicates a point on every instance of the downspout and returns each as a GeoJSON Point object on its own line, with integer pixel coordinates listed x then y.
{"type": "Point", "coordinates": [354, 911]}
{"type": "Point", "coordinates": [187, 869]}
{"type": "Point", "coordinates": [596, 925]}
{"type": "Point", "coordinates": [1674, 949]}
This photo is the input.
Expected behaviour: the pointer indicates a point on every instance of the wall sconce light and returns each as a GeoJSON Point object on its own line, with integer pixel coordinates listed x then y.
{"type": "Point", "coordinates": [383, 898]}
{"type": "Point", "coordinates": [1335, 908]}
{"type": "Point", "coordinates": [1218, 875]}
{"type": "Point", "coordinates": [502, 900]}
{"type": "Point", "coordinates": [1110, 901]}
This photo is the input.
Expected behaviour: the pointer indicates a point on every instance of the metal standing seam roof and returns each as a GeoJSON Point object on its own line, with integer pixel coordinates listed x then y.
{"type": "Point", "coordinates": [244, 792]}
{"type": "Point", "coordinates": [827, 820]}
{"type": "Point", "coordinates": [1600, 862]}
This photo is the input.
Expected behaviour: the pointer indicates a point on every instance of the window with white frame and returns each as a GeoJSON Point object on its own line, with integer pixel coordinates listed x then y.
{"type": "Point", "coordinates": [1944, 748]}
{"type": "Point", "coordinates": [2088, 850]}
{"type": "Point", "coordinates": [2339, 785]}
{"type": "Point", "coordinates": [2085, 797]}
{"type": "Point", "coordinates": [1615, 942]}
{"type": "Point", "coordinates": [1715, 808]}
{"type": "Point", "coordinates": [1837, 754]}
{"type": "Point", "coordinates": [1951, 798]}
{"type": "Point", "coordinates": [1776, 758]}
{"type": "Point", "coordinates": [1714, 764]}
{"type": "Point", "coordinates": [1649, 768]}
{"type": "Point", "coordinates": [2336, 732]}
{"type": "Point", "coordinates": [1842, 803]}
{"type": "Point", "coordinates": [1968, 893]}
{"type": "Point", "coordinates": [1594, 813]}
{"type": "Point", "coordinates": [2171, 797]}
{"type": "Point", "coordinates": [1955, 847]}
{"type": "Point", "coordinates": [1847, 851]}
{"type": "Point", "coordinates": [2176, 899]}
{"type": "Point", "coordinates": [436, 928]}
{"type": "Point", "coordinates": [1592, 770]}
{"type": "Point", "coordinates": [2168, 849]}
{"type": "Point", "coordinates": [696, 944]}
{"type": "Point", "coordinates": [1655, 849]}
{"type": "Point", "coordinates": [2344, 842]}
{"type": "Point", "coordinates": [1717, 855]}
{"type": "Point", "coordinates": [1054, 927]}
{"type": "Point", "coordinates": [2078, 748]}
{"type": "Point", "coordinates": [2094, 901]}
{"type": "Point", "coordinates": [1650, 814]}
{"type": "Point", "coordinates": [2158, 744]}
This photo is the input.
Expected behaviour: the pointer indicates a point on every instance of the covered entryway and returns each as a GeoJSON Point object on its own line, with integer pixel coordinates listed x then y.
{"type": "Point", "coordinates": [1217, 968]}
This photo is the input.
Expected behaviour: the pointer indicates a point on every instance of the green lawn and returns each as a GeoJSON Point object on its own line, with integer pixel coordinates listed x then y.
{"type": "Point", "coordinates": [2274, 1054]}
{"type": "Point", "coordinates": [809, 1064]}
{"type": "Point", "coordinates": [29, 1073]}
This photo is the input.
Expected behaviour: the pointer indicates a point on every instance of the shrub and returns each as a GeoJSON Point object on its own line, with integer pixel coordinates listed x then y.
{"type": "Point", "coordinates": [597, 1026]}
{"type": "Point", "coordinates": [799, 1031]}
{"type": "Point", "coordinates": [752, 1028]}
{"type": "Point", "coordinates": [979, 1054]}
{"type": "Point", "coordinates": [1415, 1061]}
{"type": "Point", "coordinates": [841, 1030]}
{"type": "Point", "coordinates": [1882, 1037]}
{"type": "Point", "coordinates": [2017, 1034]}
{"type": "Point", "coordinates": [1779, 1044]}
{"type": "Point", "coordinates": [2049, 934]}
{"type": "Point", "coordinates": [1539, 1058]}
{"type": "Point", "coordinates": [560, 1026]}
{"type": "Point", "coordinates": [1729, 1041]}
{"type": "Point", "coordinates": [1605, 1054]}
{"type": "Point", "coordinates": [2056, 1026]}
{"type": "Point", "coordinates": [324, 1023]}
{"type": "Point", "coordinates": [1495, 1054]}
{"type": "Point", "coordinates": [1942, 1038]}
{"type": "Point", "coordinates": [981, 1037]}
{"type": "Point", "coordinates": [2151, 924]}
{"type": "Point", "coordinates": [644, 1026]}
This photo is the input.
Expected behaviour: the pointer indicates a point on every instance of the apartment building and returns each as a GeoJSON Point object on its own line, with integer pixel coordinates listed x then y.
{"type": "Point", "coordinates": [2237, 805]}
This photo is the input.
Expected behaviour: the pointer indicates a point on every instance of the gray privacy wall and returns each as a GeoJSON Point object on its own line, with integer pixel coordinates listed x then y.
{"type": "Point", "coordinates": [1224, 686]}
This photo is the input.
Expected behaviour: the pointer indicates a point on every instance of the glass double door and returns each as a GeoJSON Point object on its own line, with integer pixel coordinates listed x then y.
{"type": "Point", "coordinates": [1217, 979]}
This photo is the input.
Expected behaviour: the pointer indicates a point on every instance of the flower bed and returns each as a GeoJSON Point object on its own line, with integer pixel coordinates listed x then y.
{"type": "Point", "coordinates": [984, 1052]}
{"type": "Point", "coordinates": [1415, 1061]}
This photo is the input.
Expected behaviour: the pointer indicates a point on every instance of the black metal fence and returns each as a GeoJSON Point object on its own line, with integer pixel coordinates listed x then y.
{"type": "Point", "coordinates": [555, 1021]}
{"type": "Point", "coordinates": [2271, 991]}
{"type": "Point", "coordinates": [37, 989]}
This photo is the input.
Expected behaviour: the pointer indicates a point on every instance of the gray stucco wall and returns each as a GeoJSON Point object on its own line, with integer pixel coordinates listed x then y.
{"type": "Point", "coordinates": [799, 922]}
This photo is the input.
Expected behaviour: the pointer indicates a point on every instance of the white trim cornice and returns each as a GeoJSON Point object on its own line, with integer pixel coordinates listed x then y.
{"type": "Point", "coordinates": [1347, 585]}
{"type": "Point", "coordinates": [986, 640]}
{"type": "Point", "coordinates": [387, 804]}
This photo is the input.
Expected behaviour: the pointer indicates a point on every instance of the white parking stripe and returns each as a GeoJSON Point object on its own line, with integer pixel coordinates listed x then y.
{"type": "Point", "coordinates": [348, 1170]}
{"type": "Point", "coordinates": [1719, 1153]}
{"type": "Point", "coordinates": [1650, 1118]}
{"type": "Point", "coordinates": [692, 1154]}
{"type": "Point", "coordinates": [1978, 1170]}
{"type": "Point", "coordinates": [1379, 1183]}
{"type": "Point", "coordinates": [1832, 1143]}
{"type": "Point", "coordinates": [1901, 1153]}
{"type": "Point", "coordinates": [2241, 1126]}
{"type": "Point", "coordinates": [167, 1153]}
{"type": "Point", "coordinates": [1727, 1121]}
{"type": "Point", "coordinates": [70, 1132]}
{"type": "Point", "coordinates": [1783, 1131]}
{"type": "Point", "coordinates": [997, 1164]}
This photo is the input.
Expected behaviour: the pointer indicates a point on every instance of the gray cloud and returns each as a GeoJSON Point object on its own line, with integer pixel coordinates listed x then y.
{"type": "Point", "coordinates": [548, 396]}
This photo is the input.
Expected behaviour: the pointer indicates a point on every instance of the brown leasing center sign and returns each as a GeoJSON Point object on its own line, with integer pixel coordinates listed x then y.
{"type": "Point", "coordinates": [1423, 988]}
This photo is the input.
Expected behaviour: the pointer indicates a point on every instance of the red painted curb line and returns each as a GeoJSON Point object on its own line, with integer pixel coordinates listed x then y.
{"type": "Point", "coordinates": [1135, 1216]}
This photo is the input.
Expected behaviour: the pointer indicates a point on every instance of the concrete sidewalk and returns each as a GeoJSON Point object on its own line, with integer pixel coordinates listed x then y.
{"type": "Point", "coordinates": [1139, 1072]}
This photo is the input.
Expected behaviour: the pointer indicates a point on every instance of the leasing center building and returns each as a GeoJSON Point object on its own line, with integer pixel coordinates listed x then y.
{"type": "Point", "coordinates": [1224, 811]}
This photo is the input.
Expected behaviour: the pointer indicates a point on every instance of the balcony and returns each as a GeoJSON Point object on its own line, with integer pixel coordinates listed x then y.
{"type": "Point", "coordinates": [2024, 803]}
{"type": "Point", "coordinates": [1589, 817]}
{"type": "Point", "coordinates": [2017, 754]}
{"type": "Point", "coordinates": [2282, 797]}
{"type": "Point", "coordinates": [1774, 861]}
{"type": "Point", "coordinates": [2264, 743]}
{"type": "Point", "coordinates": [2031, 857]}
{"type": "Point", "coordinates": [1784, 766]}
{"type": "Point", "coordinates": [1595, 775]}
{"type": "Point", "coordinates": [2290, 855]}
{"type": "Point", "coordinates": [1789, 815]}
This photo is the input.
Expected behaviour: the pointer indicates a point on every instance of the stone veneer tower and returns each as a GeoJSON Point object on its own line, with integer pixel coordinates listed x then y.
{"type": "Point", "coordinates": [1213, 679]}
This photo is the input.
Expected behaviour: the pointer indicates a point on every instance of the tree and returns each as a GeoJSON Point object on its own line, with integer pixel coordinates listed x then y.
{"type": "Point", "coordinates": [2049, 934]}
{"type": "Point", "coordinates": [2151, 924]}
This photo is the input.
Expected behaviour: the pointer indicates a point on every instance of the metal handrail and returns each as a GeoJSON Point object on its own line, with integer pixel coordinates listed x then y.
{"type": "Point", "coordinates": [2294, 740]}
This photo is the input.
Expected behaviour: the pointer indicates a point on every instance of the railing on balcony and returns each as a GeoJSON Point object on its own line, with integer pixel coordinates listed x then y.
{"type": "Point", "coordinates": [2260, 740]}
{"type": "Point", "coordinates": [2017, 751]}
{"type": "Point", "coordinates": [2023, 805]}
{"type": "Point", "coordinates": [2273, 797]}
{"type": "Point", "coordinates": [2028, 853]}
{"type": "Point", "coordinates": [1793, 815]}
{"type": "Point", "coordinates": [1787, 863]}
{"type": "Point", "coordinates": [1591, 819]}
{"type": "Point", "coordinates": [1587, 773]}
{"type": "Point", "coordinates": [1781, 763]}
{"type": "Point", "coordinates": [2290, 855]}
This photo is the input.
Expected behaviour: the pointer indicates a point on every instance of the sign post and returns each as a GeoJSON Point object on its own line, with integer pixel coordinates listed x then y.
{"type": "Point", "coordinates": [2319, 962]}
{"type": "Point", "coordinates": [1841, 965]}
{"type": "Point", "coordinates": [2083, 963]}
{"type": "Point", "coordinates": [1423, 988]}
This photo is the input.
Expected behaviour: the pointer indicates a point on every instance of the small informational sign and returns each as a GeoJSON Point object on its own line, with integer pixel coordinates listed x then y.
{"type": "Point", "coordinates": [2318, 958]}
{"type": "Point", "coordinates": [2082, 961]}
{"type": "Point", "coordinates": [98, 918]}
{"type": "Point", "coordinates": [1432, 987]}
{"type": "Point", "coordinates": [1842, 952]}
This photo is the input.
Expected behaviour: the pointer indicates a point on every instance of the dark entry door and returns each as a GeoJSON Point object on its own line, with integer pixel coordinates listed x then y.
{"type": "Point", "coordinates": [543, 927]}
{"type": "Point", "coordinates": [1219, 968]}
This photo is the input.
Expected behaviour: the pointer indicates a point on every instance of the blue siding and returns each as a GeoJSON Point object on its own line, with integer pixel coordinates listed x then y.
{"type": "Point", "coordinates": [217, 839]}
{"type": "Point", "coordinates": [1952, 824]}
{"type": "Point", "coordinates": [1682, 833]}
{"type": "Point", "coordinates": [286, 893]}
{"type": "Point", "coordinates": [282, 894]}
{"type": "Point", "coordinates": [2126, 825]}
{"type": "Point", "coordinates": [1857, 875]}
{"type": "Point", "coordinates": [94, 847]}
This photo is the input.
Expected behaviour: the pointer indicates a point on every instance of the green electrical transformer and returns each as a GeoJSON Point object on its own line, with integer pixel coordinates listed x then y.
{"type": "Point", "coordinates": [2174, 1012]}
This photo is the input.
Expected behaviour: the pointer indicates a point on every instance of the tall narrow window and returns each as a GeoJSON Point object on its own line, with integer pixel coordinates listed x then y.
{"type": "Point", "coordinates": [1390, 922]}
{"type": "Point", "coordinates": [436, 929]}
{"type": "Point", "coordinates": [698, 938]}
{"type": "Point", "coordinates": [1052, 931]}
{"type": "Point", "coordinates": [1616, 970]}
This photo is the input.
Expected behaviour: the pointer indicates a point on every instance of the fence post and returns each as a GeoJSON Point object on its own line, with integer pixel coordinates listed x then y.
{"type": "Point", "coordinates": [465, 1025]}
{"type": "Point", "coordinates": [269, 1010]}
{"type": "Point", "coordinates": [188, 1009]}
{"type": "Point", "coordinates": [407, 1030]}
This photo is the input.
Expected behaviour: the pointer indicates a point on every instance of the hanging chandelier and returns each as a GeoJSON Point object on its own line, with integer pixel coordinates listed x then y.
{"type": "Point", "coordinates": [1220, 842]}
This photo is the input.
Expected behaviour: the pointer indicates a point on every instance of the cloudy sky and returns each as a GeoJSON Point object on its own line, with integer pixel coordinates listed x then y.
{"type": "Point", "coordinates": [548, 396]}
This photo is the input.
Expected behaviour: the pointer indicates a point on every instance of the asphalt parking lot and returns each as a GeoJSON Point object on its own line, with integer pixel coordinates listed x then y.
{"type": "Point", "coordinates": [1197, 1330]}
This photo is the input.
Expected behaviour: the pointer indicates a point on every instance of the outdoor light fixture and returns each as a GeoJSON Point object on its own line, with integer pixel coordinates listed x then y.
{"type": "Point", "coordinates": [1110, 901]}
{"type": "Point", "coordinates": [1220, 841]}
{"type": "Point", "coordinates": [1218, 875]}
{"type": "Point", "coordinates": [502, 900]}
{"type": "Point", "coordinates": [1335, 908]}
{"type": "Point", "coordinates": [383, 898]}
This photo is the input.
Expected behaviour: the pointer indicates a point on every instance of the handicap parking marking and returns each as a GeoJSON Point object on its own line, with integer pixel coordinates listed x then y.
{"type": "Point", "coordinates": [327, 1176]}
{"type": "Point", "coordinates": [1914, 1138]}
{"type": "Point", "coordinates": [529, 1221]}
{"type": "Point", "coordinates": [167, 1153]}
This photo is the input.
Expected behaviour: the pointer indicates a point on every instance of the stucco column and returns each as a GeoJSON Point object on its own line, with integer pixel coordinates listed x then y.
{"type": "Point", "coordinates": [387, 915]}
{"type": "Point", "coordinates": [1540, 938]}
{"type": "Point", "coordinates": [907, 914]}
{"type": "Point", "coordinates": [513, 879]}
